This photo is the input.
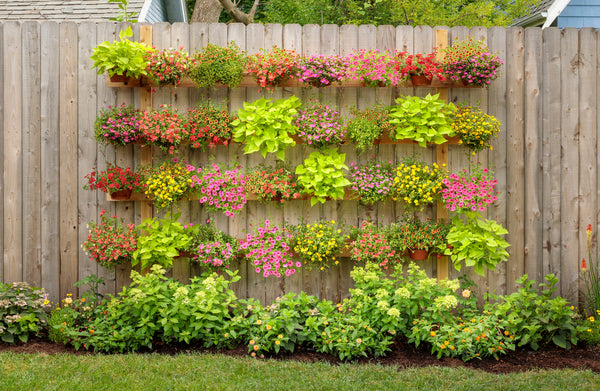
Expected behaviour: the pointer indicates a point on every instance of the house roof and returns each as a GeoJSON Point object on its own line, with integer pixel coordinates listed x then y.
{"type": "Point", "coordinates": [71, 10]}
{"type": "Point", "coordinates": [537, 15]}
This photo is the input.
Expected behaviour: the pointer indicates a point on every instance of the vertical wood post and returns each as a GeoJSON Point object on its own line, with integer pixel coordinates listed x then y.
{"type": "Point", "coordinates": [146, 105]}
{"type": "Point", "coordinates": [441, 154]}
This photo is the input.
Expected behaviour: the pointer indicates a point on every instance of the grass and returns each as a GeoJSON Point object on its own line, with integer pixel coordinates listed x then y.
{"type": "Point", "coordinates": [218, 372]}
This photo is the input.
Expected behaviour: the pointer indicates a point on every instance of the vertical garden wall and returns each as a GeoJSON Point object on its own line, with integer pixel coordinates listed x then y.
{"type": "Point", "coordinates": [545, 157]}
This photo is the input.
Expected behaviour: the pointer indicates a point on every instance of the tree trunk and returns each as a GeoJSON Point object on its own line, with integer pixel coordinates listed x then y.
{"type": "Point", "coordinates": [207, 11]}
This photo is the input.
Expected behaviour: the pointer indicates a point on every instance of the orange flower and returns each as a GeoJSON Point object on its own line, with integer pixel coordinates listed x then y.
{"type": "Point", "coordinates": [583, 265]}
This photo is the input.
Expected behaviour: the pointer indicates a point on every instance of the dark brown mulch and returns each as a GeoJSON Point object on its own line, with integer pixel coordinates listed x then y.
{"type": "Point", "coordinates": [401, 355]}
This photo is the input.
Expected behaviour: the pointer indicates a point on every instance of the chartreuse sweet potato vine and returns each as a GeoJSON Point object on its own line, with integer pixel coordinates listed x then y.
{"type": "Point", "coordinates": [321, 175]}
{"type": "Point", "coordinates": [266, 126]}
{"type": "Point", "coordinates": [424, 120]}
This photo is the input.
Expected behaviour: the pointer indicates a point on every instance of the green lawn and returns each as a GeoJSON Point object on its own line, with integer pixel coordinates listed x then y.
{"type": "Point", "coordinates": [218, 372]}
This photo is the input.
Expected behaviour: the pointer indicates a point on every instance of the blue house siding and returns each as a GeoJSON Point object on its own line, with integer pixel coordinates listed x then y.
{"type": "Point", "coordinates": [580, 13]}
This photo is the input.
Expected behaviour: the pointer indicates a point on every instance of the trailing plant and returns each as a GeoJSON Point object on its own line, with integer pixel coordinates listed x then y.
{"type": "Point", "coordinates": [322, 71]}
{"type": "Point", "coordinates": [375, 68]}
{"type": "Point", "coordinates": [318, 244]}
{"type": "Point", "coordinates": [464, 192]}
{"type": "Point", "coordinates": [272, 67]}
{"type": "Point", "coordinates": [266, 126]}
{"type": "Point", "coordinates": [268, 250]}
{"type": "Point", "coordinates": [159, 241]}
{"type": "Point", "coordinates": [469, 60]}
{"type": "Point", "coordinates": [163, 128]}
{"type": "Point", "coordinates": [372, 182]}
{"type": "Point", "coordinates": [412, 234]}
{"type": "Point", "coordinates": [320, 126]}
{"type": "Point", "coordinates": [369, 244]}
{"type": "Point", "coordinates": [23, 312]}
{"type": "Point", "coordinates": [123, 57]}
{"type": "Point", "coordinates": [220, 190]}
{"type": "Point", "coordinates": [475, 128]}
{"type": "Point", "coordinates": [418, 184]}
{"type": "Point", "coordinates": [169, 182]}
{"type": "Point", "coordinates": [322, 177]}
{"type": "Point", "coordinates": [168, 66]}
{"type": "Point", "coordinates": [424, 120]}
{"type": "Point", "coordinates": [211, 247]}
{"type": "Point", "coordinates": [271, 184]}
{"type": "Point", "coordinates": [208, 125]}
{"type": "Point", "coordinates": [535, 318]}
{"type": "Point", "coordinates": [109, 241]}
{"type": "Point", "coordinates": [218, 65]}
{"type": "Point", "coordinates": [118, 125]}
{"type": "Point", "coordinates": [477, 243]}
{"type": "Point", "coordinates": [368, 125]}
{"type": "Point", "coordinates": [113, 179]}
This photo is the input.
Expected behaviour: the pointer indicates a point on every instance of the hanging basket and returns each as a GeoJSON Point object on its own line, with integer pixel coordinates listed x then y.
{"type": "Point", "coordinates": [121, 195]}
{"type": "Point", "coordinates": [420, 80]}
{"type": "Point", "coordinates": [418, 254]}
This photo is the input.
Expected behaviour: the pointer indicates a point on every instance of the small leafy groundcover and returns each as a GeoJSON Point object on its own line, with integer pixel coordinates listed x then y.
{"type": "Point", "coordinates": [383, 307]}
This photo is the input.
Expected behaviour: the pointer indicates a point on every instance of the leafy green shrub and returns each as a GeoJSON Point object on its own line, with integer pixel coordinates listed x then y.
{"type": "Point", "coordinates": [477, 243]}
{"type": "Point", "coordinates": [424, 120]}
{"type": "Point", "coordinates": [367, 126]}
{"type": "Point", "coordinates": [218, 64]}
{"type": "Point", "coordinates": [22, 311]}
{"type": "Point", "coordinates": [321, 175]}
{"type": "Point", "coordinates": [535, 318]}
{"type": "Point", "coordinates": [266, 126]}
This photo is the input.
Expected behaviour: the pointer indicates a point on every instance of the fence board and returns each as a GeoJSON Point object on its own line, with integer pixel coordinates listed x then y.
{"type": "Point", "coordinates": [497, 155]}
{"type": "Point", "coordinates": [49, 125]}
{"type": "Point", "coordinates": [69, 243]}
{"type": "Point", "coordinates": [514, 156]}
{"type": "Point", "coordinates": [570, 161]}
{"type": "Point", "coordinates": [13, 156]}
{"type": "Point", "coordinates": [588, 169]}
{"type": "Point", "coordinates": [552, 150]}
{"type": "Point", "coordinates": [32, 264]}
{"type": "Point", "coordinates": [86, 145]}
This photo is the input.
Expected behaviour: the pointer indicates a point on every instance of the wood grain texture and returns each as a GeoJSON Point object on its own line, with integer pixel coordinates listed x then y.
{"type": "Point", "coordinates": [69, 224]}
{"type": "Point", "coordinates": [31, 62]}
{"type": "Point", "coordinates": [514, 155]}
{"type": "Point", "coordinates": [570, 133]}
{"type": "Point", "coordinates": [13, 153]}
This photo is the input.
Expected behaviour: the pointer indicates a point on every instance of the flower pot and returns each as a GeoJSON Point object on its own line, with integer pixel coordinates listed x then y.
{"type": "Point", "coordinates": [116, 78]}
{"type": "Point", "coordinates": [219, 141]}
{"type": "Point", "coordinates": [418, 254]}
{"type": "Point", "coordinates": [420, 80]}
{"type": "Point", "coordinates": [121, 195]}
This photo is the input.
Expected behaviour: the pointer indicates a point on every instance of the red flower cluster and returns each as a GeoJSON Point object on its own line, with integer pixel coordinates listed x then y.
{"type": "Point", "coordinates": [163, 128]}
{"type": "Point", "coordinates": [208, 125]}
{"type": "Point", "coordinates": [274, 66]}
{"type": "Point", "coordinates": [371, 246]}
{"type": "Point", "coordinates": [108, 243]}
{"type": "Point", "coordinates": [419, 64]}
{"type": "Point", "coordinates": [114, 178]}
{"type": "Point", "coordinates": [272, 185]}
{"type": "Point", "coordinates": [167, 66]}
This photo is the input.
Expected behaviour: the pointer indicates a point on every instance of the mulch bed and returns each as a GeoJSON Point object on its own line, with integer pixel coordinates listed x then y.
{"type": "Point", "coordinates": [401, 355]}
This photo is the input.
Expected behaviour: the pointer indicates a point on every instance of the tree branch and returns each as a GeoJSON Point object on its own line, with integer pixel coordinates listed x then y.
{"type": "Point", "coordinates": [237, 14]}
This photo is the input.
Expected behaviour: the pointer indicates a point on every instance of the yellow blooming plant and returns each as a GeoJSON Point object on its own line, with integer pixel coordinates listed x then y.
{"type": "Point", "coordinates": [418, 184]}
{"type": "Point", "coordinates": [169, 183]}
{"type": "Point", "coordinates": [318, 244]}
{"type": "Point", "coordinates": [475, 128]}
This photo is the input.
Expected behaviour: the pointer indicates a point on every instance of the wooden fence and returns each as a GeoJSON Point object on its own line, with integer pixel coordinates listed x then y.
{"type": "Point", "coordinates": [545, 157]}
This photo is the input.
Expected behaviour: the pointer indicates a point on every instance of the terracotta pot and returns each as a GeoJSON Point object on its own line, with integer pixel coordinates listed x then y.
{"type": "Point", "coordinates": [420, 80]}
{"type": "Point", "coordinates": [119, 78]}
{"type": "Point", "coordinates": [418, 254]}
{"type": "Point", "coordinates": [464, 82]}
{"type": "Point", "coordinates": [121, 194]}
